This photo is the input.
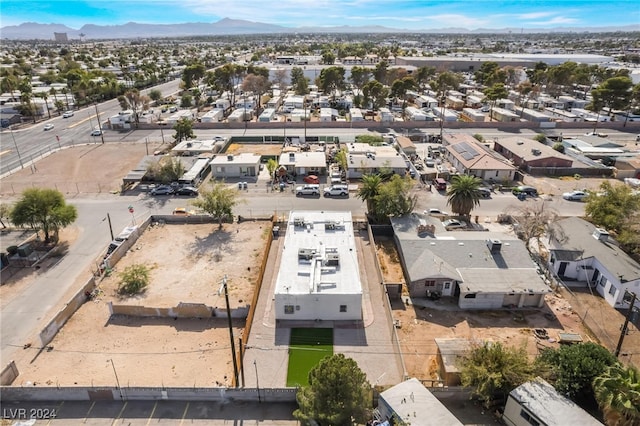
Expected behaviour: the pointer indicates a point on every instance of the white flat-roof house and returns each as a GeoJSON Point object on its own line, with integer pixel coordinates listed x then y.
{"type": "Point", "coordinates": [538, 403]}
{"type": "Point", "coordinates": [410, 403]}
{"type": "Point", "coordinates": [198, 147]}
{"type": "Point", "coordinates": [319, 277]}
{"type": "Point", "coordinates": [235, 166]}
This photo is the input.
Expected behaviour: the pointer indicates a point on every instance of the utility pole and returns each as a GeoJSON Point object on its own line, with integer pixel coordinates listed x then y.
{"type": "Point", "coordinates": [625, 327]}
{"type": "Point", "coordinates": [99, 126]}
{"type": "Point", "coordinates": [16, 145]}
{"type": "Point", "coordinates": [110, 227]}
{"type": "Point", "coordinates": [224, 288]}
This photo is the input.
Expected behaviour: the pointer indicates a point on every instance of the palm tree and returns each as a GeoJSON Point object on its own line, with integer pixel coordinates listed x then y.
{"type": "Point", "coordinates": [463, 194]}
{"type": "Point", "coordinates": [369, 191]}
{"type": "Point", "coordinates": [617, 391]}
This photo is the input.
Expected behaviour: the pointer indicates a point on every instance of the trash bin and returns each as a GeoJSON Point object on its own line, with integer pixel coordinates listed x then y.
{"type": "Point", "coordinates": [276, 231]}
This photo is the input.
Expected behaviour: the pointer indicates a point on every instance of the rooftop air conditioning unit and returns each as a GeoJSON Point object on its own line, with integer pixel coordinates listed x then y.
{"type": "Point", "coordinates": [494, 245]}
{"type": "Point", "coordinates": [229, 157]}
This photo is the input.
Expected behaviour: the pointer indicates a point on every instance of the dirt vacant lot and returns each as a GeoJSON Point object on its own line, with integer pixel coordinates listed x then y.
{"type": "Point", "coordinates": [83, 169]}
{"type": "Point", "coordinates": [187, 264]}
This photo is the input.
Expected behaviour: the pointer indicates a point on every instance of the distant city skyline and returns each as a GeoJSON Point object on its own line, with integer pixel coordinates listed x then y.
{"type": "Point", "coordinates": [398, 14]}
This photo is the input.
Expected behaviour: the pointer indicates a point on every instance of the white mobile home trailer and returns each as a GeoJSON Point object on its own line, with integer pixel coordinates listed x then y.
{"type": "Point", "coordinates": [197, 172]}
{"type": "Point", "coordinates": [356, 114]}
{"type": "Point", "coordinates": [240, 115]}
{"type": "Point", "coordinates": [385, 115]}
{"type": "Point", "coordinates": [214, 116]}
{"type": "Point", "coordinates": [223, 104]}
{"type": "Point", "coordinates": [415, 114]}
{"type": "Point", "coordinates": [267, 116]}
{"type": "Point", "coordinates": [424, 101]}
{"type": "Point", "coordinates": [472, 115]}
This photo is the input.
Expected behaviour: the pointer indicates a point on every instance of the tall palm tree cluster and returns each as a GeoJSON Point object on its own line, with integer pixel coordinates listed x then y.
{"type": "Point", "coordinates": [617, 392]}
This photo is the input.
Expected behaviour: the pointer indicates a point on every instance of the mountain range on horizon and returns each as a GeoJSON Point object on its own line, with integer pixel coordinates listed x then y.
{"type": "Point", "coordinates": [227, 26]}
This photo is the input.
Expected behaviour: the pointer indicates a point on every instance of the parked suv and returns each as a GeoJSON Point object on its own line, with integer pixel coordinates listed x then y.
{"type": "Point", "coordinates": [524, 189]}
{"type": "Point", "coordinates": [336, 191]}
{"type": "Point", "coordinates": [308, 190]}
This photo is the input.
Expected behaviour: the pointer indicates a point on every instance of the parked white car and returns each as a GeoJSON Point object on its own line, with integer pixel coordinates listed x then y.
{"type": "Point", "coordinates": [575, 195]}
{"type": "Point", "coordinates": [96, 132]}
{"type": "Point", "coordinates": [48, 127]}
{"type": "Point", "coordinates": [67, 114]}
{"type": "Point", "coordinates": [451, 224]}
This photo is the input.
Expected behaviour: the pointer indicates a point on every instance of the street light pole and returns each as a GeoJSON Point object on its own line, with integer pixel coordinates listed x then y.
{"type": "Point", "coordinates": [16, 145]}
{"type": "Point", "coordinates": [224, 288]}
{"type": "Point", "coordinates": [625, 327]}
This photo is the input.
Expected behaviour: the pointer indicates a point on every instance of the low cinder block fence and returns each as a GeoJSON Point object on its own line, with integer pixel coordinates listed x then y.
{"type": "Point", "coordinates": [9, 374]}
{"type": "Point", "coordinates": [183, 310]}
{"type": "Point", "coordinates": [36, 393]}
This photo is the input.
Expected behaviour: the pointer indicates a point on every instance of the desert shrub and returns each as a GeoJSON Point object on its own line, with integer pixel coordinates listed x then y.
{"type": "Point", "coordinates": [134, 279]}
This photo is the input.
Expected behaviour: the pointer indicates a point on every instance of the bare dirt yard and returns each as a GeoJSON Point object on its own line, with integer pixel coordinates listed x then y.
{"type": "Point", "coordinates": [187, 265]}
{"type": "Point", "coordinates": [420, 325]}
{"type": "Point", "coordinates": [260, 149]}
{"type": "Point", "coordinates": [81, 169]}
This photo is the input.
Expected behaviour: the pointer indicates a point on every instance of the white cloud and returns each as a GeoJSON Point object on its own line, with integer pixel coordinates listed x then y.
{"type": "Point", "coordinates": [533, 15]}
{"type": "Point", "coordinates": [458, 21]}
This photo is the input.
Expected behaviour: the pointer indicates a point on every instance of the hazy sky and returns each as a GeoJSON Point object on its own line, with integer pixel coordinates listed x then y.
{"type": "Point", "coordinates": [401, 14]}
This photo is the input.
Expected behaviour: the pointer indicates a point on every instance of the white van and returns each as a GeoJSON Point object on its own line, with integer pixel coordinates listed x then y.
{"type": "Point", "coordinates": [336, 191]}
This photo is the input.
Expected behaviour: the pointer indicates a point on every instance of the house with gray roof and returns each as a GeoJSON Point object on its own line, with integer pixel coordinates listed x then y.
{"type": "Point", "coordinates": [482, 270]}
{"type": "Point", "coordinates": [588, 255]}
{"type": "Point", "coordinates": [538, 403]}
{"type": "Point", "coordinates": [528, 153]}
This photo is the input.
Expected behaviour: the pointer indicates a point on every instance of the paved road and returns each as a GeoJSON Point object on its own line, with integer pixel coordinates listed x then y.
{"type": "Point", "coordinates": [134, 413]}
{"type": "Point", "coordinates": [20, 147]}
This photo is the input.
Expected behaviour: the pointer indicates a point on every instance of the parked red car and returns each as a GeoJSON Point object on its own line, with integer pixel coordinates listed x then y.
{"type": "Point", "coordinates": [311, 179]}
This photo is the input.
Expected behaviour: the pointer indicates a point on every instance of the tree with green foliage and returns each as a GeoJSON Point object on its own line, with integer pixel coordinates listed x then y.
{"type": "Point", "coordinates": [341, 158]}
{"type": "Point", "coordinates": [444, 82]}
{"type": "Point", "coordinates": [375, 93]}
{"type": "Point", "coordinates": [399, 89]}
{"type": "Point", "coordinates": [423, 76]}
{"type": "Point", "coordinates": [299, 82]}
{"type": "Point", "coordinates": [394, 198]}
{"type": "Point", "coordinates": [369, 190]}
{"type": "Point", "coordinates": [192, 74]}
{"type": "Point", "coordinates": [166, 170]}
{"type": "Point", "coordinates": [218, 202]}
{"type": "Point", "coordinates": [495, 92]}
{"type": "Point", "coordinates": [328, 58]}
{"type": "Point", "coordinates": [134, 279]}
{"type": "Point", "coordinates": [478, 137]}
{"type": "Point", "coordinates": [272, 165]}
{"type": "Point", "coordinates": [495, 370]}
{"type": "Point", "coordinates": [186, 100]}
{"type": "Point", "coordinates": [381, 72]}
{"type": "Point", "coordinates": [540, 137]}
{"type": "Point", "coordinates": [338, 394]}
{"type": "Point", "coordinates": [331, 80]}
{"type": "Point", "coordinates": [609, 208]}
{"type": "Point", "coordinates": [155, 95]}
{"type": "Point", "coordinates": [463, 194]}
{"type": "Point", "coordinates": [617, 392]}
{"type": "Point", "coordinates": [571, 369]}
{"type": "Point", "coordinates": [614, 93]}
{"type": "Point", "coordinates": [360, 76]}
{"type": "Point", "coordinates": [184, 130]}
{"type": "Point", "coordinates": [43, 209]}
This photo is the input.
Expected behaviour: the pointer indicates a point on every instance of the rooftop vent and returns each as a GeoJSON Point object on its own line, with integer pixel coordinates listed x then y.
{"type": "Point", "coordinates": [306, 254]}
{"type": "Point", "coordinates": [229, 157]}
{"type": "Point", "coordinates": [520, 143]}
{"type": "Point", "coordinates": [494, 245]}
{"type": "Point", "coordinates": [536, 151]}
{"type": "Point", "coordinates": [601, 235]}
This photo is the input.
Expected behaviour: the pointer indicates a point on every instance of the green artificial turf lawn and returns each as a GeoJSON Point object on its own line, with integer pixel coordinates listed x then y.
{"type": "Point", "coordinates": [307, 347]}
